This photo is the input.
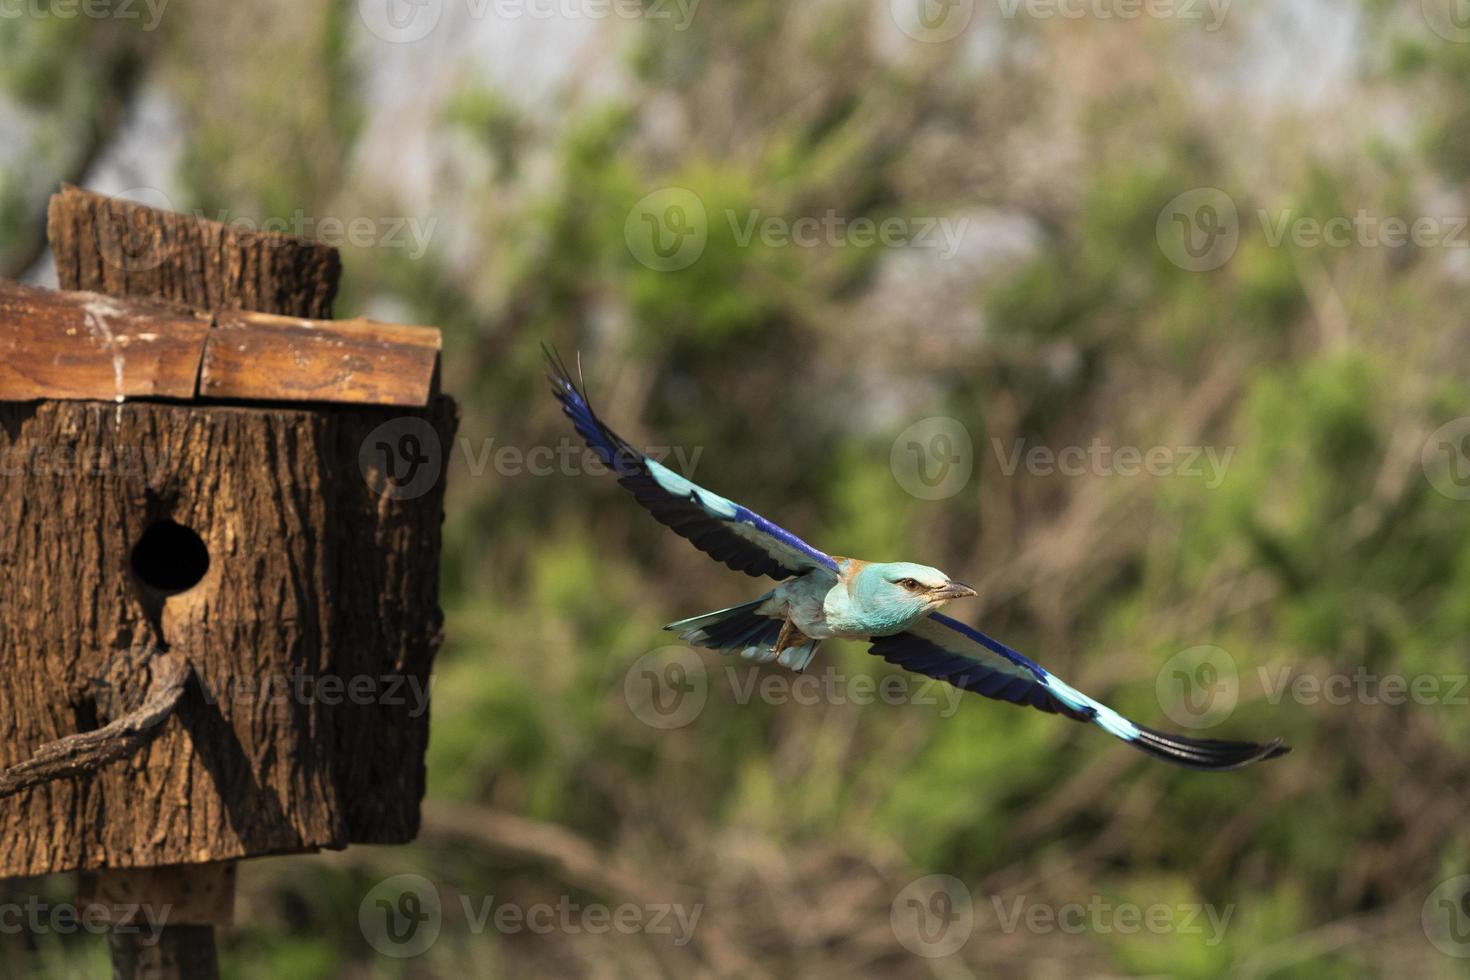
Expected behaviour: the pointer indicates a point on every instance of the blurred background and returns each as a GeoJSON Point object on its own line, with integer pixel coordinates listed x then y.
{"type": "Point", "coordinates": [1145, 317]}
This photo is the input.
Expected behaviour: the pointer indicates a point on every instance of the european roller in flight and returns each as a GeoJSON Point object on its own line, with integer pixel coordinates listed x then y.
{"type": "Point", "coordinates": [893, 606]}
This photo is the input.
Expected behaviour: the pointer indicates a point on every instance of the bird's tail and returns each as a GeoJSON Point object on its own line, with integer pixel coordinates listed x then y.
{"type": "Point", "coordinates": [745, 630]}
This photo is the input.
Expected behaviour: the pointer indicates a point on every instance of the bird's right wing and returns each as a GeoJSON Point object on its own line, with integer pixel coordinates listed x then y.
{"type": "Point", "coordinates": [948, 650]}
{"type": "Point", "coordinates": [721, 528]}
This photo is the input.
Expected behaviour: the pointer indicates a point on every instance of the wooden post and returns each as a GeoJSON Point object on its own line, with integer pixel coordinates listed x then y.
{"type": "Point", "coordinates": [157, 729]}
{"type": "Point", "coordinates": [192, 898]}
{"type": "Point", "coordinates": [110, 247]}
{"type": "Point", "coordinates": [185, 952]}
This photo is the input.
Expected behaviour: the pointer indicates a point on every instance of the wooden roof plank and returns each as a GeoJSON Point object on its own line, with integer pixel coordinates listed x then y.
{"type": "Point", "coordinates": [86, 346]}
{"type": "Point", "coordinates": [263, 357]}
{"type": "Point", "coordinates": [94, 347]}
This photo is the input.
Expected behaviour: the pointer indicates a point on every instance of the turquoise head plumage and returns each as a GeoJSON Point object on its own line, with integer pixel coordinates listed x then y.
{"type": "Point", "coordinates": [884, 598]}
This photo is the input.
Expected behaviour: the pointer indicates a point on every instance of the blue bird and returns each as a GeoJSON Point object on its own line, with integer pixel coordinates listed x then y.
{"type": "Point", "coordinates": [893, 606]}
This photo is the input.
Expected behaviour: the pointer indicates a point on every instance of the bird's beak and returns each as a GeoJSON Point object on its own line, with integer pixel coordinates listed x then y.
{"type": "Point", "coordinates": [953, 590]}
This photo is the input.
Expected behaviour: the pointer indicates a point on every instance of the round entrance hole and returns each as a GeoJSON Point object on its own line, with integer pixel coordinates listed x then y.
{"type": "Point", "coordinates": [170, 558]}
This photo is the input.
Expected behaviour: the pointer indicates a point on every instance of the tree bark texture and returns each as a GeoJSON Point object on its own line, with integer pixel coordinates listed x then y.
{"type": "Point", "coordinates": [108, 245]}
{"type": "Point", "coordinates": [312, 575]}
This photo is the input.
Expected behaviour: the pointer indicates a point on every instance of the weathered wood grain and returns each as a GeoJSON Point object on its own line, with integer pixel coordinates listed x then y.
{"type": "Point", "coordinates": [65, 345]}
{"type": "Point", "coordinates": [86, 345]}
{"type": "Point", "coordinates": [271, 358]}
{"type": "Point", "coordinates": [112, 246]}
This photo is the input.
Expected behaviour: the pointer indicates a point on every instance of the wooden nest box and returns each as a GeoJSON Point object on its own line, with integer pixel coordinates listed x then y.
{"type": "Point", "coordinates": [220, 523]}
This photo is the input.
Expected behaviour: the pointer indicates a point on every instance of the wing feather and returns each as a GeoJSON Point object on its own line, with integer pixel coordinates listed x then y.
{"type": "Point", "coordinates": [721, 528]}
{"type": "Point", "coordinates": [948, 650]}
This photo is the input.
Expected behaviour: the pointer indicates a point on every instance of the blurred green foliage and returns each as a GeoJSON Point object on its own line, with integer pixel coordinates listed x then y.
{"type": "Point", "coordinates": [1323, 550]}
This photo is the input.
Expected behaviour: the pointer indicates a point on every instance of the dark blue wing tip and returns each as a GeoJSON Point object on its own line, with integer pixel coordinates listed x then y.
{"type": "Point", "coordinates": [562, 384]}
{"type": "Point", "coordinates": [1038, 691]}
{"type": "Point", "coordinates": [1210, 754]}
{"type": "Point", "coordinates": [609, 446]}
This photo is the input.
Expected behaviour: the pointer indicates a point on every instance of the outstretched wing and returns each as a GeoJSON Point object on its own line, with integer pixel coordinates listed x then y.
{"type": "Point", "coordinates": [944, 648]}
{"type": "Point", "coordinates": [721, 528]}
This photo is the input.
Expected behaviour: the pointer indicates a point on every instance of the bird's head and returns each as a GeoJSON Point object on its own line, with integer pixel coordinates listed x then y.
{"type": "Point", "coordinates": [894, 594]}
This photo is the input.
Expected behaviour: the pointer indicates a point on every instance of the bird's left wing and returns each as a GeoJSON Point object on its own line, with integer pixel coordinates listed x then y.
{"type": "Point", "coordinates": [721, 528]}
{"type": "Point", "coordinates": [944, 648]}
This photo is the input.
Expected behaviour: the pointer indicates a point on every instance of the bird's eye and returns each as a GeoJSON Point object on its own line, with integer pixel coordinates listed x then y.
{"type": "Point", "coordinates": [908, 583]}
